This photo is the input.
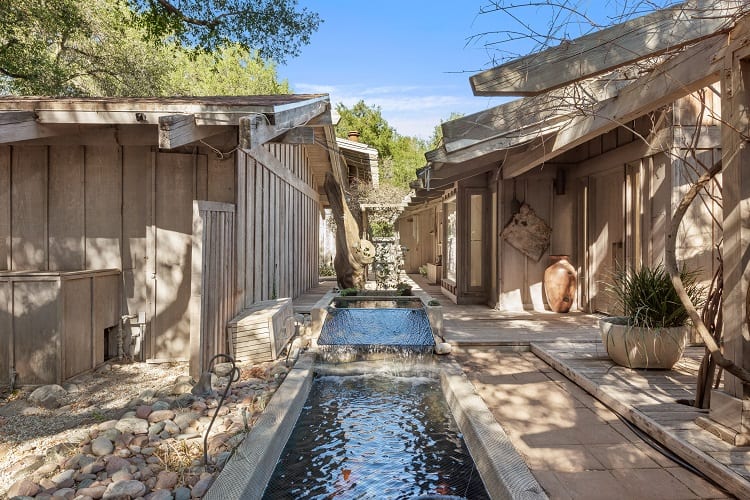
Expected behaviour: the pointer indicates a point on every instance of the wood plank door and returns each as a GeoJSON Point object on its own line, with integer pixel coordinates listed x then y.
{"type": "Point", "coordinates": [173, 218]}
{"type": "Point", "coordinates": [606, 214]}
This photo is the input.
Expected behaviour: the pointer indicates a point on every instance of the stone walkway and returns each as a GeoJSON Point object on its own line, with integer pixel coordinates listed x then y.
{"type": "Point", "coordinates": [574, 445]}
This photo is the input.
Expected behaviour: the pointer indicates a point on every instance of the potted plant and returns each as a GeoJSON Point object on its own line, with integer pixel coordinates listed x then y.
{"type": "Point", "coordinates": [654, 328]}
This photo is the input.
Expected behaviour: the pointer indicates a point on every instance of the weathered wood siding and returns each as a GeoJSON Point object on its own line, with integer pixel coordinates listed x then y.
{"type": "Point", "coordinates": [52, 324]}
{"type": "Point", "coordinates": [278, 214]}
{"type": "Point", "coordinates": [418, 233]}
{"type": "Point", "coordinates": [212, 281]}
{"type": "Point", "coordinates": [619, 195]}
{"type": "Point", "coordinates": [91, 202]}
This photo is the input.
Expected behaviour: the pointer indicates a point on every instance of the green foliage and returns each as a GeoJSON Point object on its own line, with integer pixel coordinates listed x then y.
{"type": "Point", "coordinates": [403, 289]}
{"type": "Point", "coordinates": [349, 292]}
{"type": "Point", "coordinates": [381, 229]}
{"type": "Point", "coordinates": [274, 28]}
{"type": "Point", "coordinates": [433, 303]}
{"type": "Point", "coordinates": [102, 48]}
{"type": "Point", "coordinates": [648, 298]}
{"type": "Point", "coordinates": [230, 70]}
{"type": "Point", "coordinates": [326, 270]}
{"type": "Point", "coordinates": [400, 156]}
{"type": "Point", "coordinates": [369, 122]}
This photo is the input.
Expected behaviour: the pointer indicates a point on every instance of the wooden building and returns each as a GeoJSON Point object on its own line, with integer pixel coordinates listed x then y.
{"type": "Point", "coordinates": [602, 154]}
{"type": "Point", "coordinates": [163, 217]}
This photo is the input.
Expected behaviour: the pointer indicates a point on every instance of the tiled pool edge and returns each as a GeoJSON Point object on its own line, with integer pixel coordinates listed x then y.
{"type": "Point", "coordinates": [503, 471]}
{"type": "Point", "coordinates": [248, 471]}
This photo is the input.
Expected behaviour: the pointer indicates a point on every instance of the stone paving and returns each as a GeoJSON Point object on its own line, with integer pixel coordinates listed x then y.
{"type": "Point", "coordinates": [574, 445]}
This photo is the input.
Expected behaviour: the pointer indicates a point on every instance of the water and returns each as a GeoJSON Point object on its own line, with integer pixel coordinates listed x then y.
{"type": "Point", "coordinates": [375, 436]}
{"type": "Point", "coordinates": [406, 328]}
{"type": "Point", "coordinates": [378, 302]}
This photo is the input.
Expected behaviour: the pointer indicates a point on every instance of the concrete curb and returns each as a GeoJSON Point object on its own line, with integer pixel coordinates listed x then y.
{"type": "Point", "coordinates": [503, 471]}
{"type": "Point", "coordinates": [251, 466]}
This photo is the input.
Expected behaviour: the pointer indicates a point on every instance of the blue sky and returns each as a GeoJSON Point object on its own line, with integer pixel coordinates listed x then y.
{"type": "Point", "coordinates": [409, 57]}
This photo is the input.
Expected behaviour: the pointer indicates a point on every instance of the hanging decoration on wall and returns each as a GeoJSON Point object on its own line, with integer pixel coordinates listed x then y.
{"type": "Point", "coordinates": [527, 233]}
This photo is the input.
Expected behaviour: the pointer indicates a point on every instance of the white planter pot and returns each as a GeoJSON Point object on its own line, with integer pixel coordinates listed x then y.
{"type": "Point", "coordinates": [636, 347]}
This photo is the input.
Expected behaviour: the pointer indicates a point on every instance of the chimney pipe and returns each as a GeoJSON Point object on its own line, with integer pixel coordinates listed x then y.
{"type": "Point", "coordinates": [353, 135]}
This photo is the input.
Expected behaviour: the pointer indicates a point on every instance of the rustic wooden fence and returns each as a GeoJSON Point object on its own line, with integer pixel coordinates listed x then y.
{"type": "Point", "coordinates": [212, 298]}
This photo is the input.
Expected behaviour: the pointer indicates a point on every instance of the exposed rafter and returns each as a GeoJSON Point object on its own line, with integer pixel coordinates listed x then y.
{"type": "Point", "coordinates": [610, 48]}
{"type": "Point", "coordinates": [179, 130]}
{"type": "Point", "coordinates": [517, 120]}
{"type": "Point", "coordinates": [695, 68]}
{"type": "Point", "coordinates": [260, 128]}
{"type": "Point", "coordinates": [18, 126]}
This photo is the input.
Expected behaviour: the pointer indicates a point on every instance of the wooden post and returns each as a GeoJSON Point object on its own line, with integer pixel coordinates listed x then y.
{"type": "Point", "coordinates": [731, 407]}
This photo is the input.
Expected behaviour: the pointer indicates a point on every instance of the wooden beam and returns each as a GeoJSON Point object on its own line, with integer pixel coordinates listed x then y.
{"type": "Point", "coordinates": [536, 112]}
{"type": "Point", "coordinates": [299, 135]}
{"type": "Point", "coordinates": [260, 128]}
{"type": "Point", "coordinates": [179, 130]}
{"type": "Point", "coordinates": [610, 48]}
{"type": "Point", "coordinates": [695, 68]}
{"type": "Point", "coordinates": [18, 126]}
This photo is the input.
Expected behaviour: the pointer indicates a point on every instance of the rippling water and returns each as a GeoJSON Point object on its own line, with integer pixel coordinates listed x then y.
{"type": "Point", "coordinates": [375, 436]}
{"type": "Point", "coordinates": [383, 327]}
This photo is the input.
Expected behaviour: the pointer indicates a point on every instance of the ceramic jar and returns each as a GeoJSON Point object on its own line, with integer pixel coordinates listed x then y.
{"type": "Point", "coordinates": [560, 281]}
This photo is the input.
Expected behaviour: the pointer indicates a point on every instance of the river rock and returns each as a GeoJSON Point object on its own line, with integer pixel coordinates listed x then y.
{"type": "Point", "coordinates": [23, 488]}
{"type": "Point", "coordinates": [201, 487]}
{"type": "Point", "coordinates": [160, 415]}
{"type": "Point", "coordinates": [166, 480]}
{"type": "Point", "coordinates": [182, 493]}
{"type": "Point", "coordinates": [48, 396]}
{"type": "Point", "coordinates": [94, 492]}
{"type": "Point", "coordinates": [159, 495]}
{"type": "Point", "coordinates": [125, 489]}
{"type": "Point", "coordinates": [102, 446]}
{"type": "Point", "coordinates": [68, 493]}
{"type": "Point", "coordinates": [223, 369]}
{"type": "Point", "coordinates": [160, 405]}
{"type": "Point", "coordinates": [115, 463]}
{"type": "Point", "coordinates": [122, 475]}
{"type": "Point", "coordinates": [185, 419]}
{"type": "Point", "coordinates": [64, 479]}
{"type": "Point", "coordinates": [143, 411]}
{"type": "Point", "coordinates": [132, 425]}
{"type": "Point", "coordinates": [171, 427]}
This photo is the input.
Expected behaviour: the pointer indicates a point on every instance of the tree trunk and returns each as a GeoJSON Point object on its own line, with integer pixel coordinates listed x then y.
{"type": "Point", "coordinates": [347, 263]}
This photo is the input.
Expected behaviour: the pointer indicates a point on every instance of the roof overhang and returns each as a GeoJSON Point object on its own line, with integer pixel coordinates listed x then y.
{"type": "Point", "coordinates": [177, 121]}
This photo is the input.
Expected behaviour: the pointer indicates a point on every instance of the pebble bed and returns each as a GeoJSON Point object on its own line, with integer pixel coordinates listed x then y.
{"type": "Point", "coordinates": [128, 431]}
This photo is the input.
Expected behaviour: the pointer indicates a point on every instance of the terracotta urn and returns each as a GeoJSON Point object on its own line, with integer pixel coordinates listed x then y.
{"type": "Point", "coordinates": [560, 281]}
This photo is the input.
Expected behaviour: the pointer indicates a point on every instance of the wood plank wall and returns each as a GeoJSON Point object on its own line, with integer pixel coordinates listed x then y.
{"type": "Point", "coordinates": [212, 282]}
{"type": "Point", "coordinates": [418, 233]}
{"type": "Point", "coordinates": [278, 223]}
{"type": "Point", "coordinates": [89, 203]}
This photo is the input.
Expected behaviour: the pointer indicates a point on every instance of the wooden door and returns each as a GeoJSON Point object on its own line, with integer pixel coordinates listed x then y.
{"type": "Point", "coordinates": [606, 237]}
{"type": "Point", "coordinates": [173, 218]}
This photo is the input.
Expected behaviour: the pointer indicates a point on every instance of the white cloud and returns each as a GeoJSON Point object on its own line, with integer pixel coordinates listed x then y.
{"type": "Point", "coordinates": [411, 109]}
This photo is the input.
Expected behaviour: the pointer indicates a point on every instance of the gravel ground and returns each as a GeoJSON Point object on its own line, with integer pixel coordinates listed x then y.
{"type": "Point", "coordinates": [93, 397]}
{"type": "Point", "coordinates": [37, 444]}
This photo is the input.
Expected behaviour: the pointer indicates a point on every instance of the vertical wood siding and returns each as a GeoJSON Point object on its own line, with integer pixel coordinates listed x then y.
{"type": "Point", "coordinates": [277, 224]}
{"type": "Point", "coordinates": [212, 281]}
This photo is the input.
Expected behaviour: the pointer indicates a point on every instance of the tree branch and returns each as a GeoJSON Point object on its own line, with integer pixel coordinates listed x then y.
{"type": "Point", "coordinates": [671, 266]}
